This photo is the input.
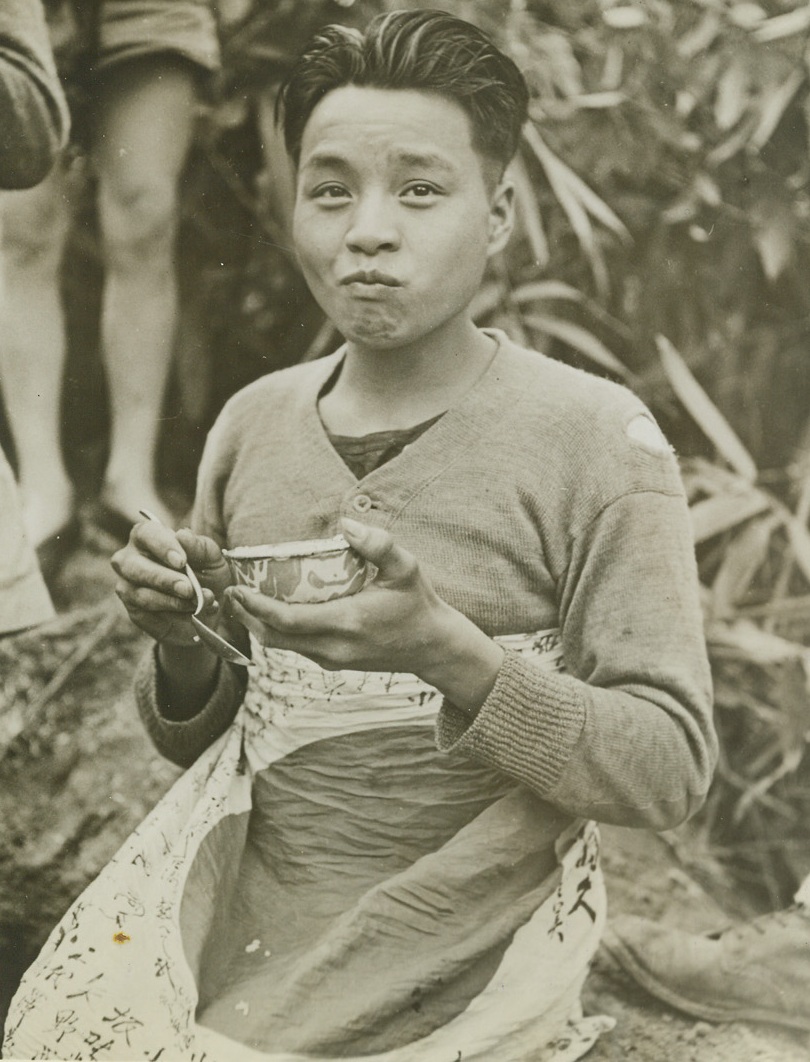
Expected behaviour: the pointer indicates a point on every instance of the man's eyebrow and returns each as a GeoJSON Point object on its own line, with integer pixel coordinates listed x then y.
{"type": "Point", "coordinates": [424, 160]}
{"type": "Point", "coordinates": [326, 160]}
{"type": "Point", "coordinates": [415, 159]}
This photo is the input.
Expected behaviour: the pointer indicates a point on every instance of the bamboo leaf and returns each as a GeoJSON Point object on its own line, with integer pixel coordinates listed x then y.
{"type": "Point", "coordinates": [624, 18]}
{"type": "Point", "coordinates": [561, 62]}
{"type": "Point", "coordinates": [744, 556]}
{"type": "Point", "coordinates": [800, 544]}
{"type": "Point", "coordinates": [774, 243]}
{"type": "Point", "coordinates": [598, 100]}
{"type": "Point", "coordinates": [706, 190]}
{"type": "Point", "coordinates": [781, 26]}
{"type": "Point", "coordinates": [757, 791]}
{"type": "Point", "coordinates": [713, 478]}
{"type": "Point", "coordinates": [701, 38]}
{"type": "Point", "coordinates": [704, 412]}
{"type": "Point", "coordinates": [580, 339]}
{"type": "Point", "coordinates": [746, 15]}
{"type": "Point", "coordinates": [732, 95]}
{"type": "Point", "coordinates": [743, 640]}
{"type": "Point", "coordinates": [733, 143]}
{"type": "Point", "coordinates": [613, 69]}
{"type": "Point", "coordinates": [559, 178]}
{"type": "Point", "coordinates": [793, 609]}
{"type": "Point", "coordinates": [774, 105]}
{"type": "Point", "coordinates": [546, 289]}
{"type": "Point", "coordinates": [594, 204]}
{"type": "Point", "coordinates": [723, 512]}
{"type": "Point", "coordinates": [529, 213]}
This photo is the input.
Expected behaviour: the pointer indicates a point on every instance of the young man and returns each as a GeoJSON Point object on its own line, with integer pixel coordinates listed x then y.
{"type": "Point", "coordinates": [384, 846]}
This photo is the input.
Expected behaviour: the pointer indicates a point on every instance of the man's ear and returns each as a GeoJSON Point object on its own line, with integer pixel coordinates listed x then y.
{"type": "Point", "coordinates": [501, 216]}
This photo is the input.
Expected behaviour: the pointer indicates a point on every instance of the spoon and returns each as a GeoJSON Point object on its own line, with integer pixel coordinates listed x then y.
{"type": "Point", "coordinates": [215, 642]}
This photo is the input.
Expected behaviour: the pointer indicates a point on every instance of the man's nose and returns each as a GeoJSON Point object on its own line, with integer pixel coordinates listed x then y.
{"type": "Point", "coordinates": [373, 226]}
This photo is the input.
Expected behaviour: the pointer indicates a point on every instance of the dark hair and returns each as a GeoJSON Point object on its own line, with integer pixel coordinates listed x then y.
{"type": "Point", "coordinates": [431, 51]}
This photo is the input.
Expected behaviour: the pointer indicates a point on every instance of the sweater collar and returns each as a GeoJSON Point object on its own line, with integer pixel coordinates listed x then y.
{"type": "Point", "coordinates": [396, 481]}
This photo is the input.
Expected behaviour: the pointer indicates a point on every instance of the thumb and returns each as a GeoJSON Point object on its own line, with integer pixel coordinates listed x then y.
{"type": "Point", "coordinates": [392, 562]}
{"type": "Point", "coordinates": [203, 552]}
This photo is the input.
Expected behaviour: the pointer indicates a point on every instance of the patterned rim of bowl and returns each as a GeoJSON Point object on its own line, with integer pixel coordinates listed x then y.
{"type": "Point", "coordinates": [313, 547]}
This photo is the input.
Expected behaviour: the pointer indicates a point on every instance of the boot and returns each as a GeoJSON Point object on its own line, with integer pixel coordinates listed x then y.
{"type": "Point", "coordinates": [756, 971]}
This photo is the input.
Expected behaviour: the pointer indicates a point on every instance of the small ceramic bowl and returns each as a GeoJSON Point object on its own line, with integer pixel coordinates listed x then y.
{"type": "Point", "coordinates": [300, 572]}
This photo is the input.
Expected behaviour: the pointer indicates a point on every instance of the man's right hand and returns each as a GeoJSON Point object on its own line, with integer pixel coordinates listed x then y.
{"type": "Point", "coordinates": [153, 586]}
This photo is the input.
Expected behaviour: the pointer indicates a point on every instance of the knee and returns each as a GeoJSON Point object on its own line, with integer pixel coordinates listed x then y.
{"type": "Point", "coordinates": [32, 242]}
{"type": "Point", "coordinates": [138, 222]}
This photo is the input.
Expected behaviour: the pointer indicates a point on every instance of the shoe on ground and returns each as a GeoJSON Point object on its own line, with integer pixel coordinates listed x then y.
{"type": "Point", "coordinates": [756, 971]}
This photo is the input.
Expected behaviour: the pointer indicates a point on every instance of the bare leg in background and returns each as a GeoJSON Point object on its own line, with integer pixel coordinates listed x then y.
{"type": "Point", "coordinates": [142, 138]}
{"type": "Point", "coordinates": [32, 347]}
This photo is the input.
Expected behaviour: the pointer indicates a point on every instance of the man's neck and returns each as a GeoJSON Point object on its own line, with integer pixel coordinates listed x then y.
{"type": "Point", "coordinates": [385, 390]}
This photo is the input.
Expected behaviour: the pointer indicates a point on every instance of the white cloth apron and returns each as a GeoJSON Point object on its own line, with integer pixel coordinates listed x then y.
{"type": "Point", "coordinates": [114, 980]}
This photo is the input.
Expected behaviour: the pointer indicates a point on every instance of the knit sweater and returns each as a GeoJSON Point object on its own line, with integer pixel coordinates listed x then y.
{"type": "Point", "coordinates": [533, 504]}
{"type": "Point", "coordinates": [33, 114]}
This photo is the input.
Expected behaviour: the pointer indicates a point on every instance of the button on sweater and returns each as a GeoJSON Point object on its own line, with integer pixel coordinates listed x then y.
{"type": "Point", "coordinates": [534, 503]}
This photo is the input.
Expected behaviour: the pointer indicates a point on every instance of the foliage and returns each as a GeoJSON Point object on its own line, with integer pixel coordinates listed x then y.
{"type": "Point", "coordinates": [689, 122]}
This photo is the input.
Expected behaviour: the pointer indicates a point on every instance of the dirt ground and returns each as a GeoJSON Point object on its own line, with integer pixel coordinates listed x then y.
{"type": "Point", "coordinates": [644, 876]}
{"type": "Point", "coordinates": [77, 773]}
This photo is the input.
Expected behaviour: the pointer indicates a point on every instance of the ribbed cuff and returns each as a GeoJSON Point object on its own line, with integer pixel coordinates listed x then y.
{"type": "Point", "coordinates": [527, 727]}
{"type": "Point", "coordinates": [182, 742]}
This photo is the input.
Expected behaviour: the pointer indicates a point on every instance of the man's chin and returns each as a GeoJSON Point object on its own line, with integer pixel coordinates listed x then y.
{"type": "Point", "coordinates": [374, 332]}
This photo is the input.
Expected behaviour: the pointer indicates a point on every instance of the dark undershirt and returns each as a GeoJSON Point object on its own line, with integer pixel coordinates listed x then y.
{"type": "Point", "coordinates": [364, 453]}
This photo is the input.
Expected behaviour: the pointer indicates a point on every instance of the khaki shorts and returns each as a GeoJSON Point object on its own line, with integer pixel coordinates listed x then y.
{"type": "Point", "coordinates": [261, 47]}
{"type": "Point", "coordinates": [87, 38]}
{"type": "Point", "coordinates": [133, 28]}
{"type": "Point", "coordinates": [91, 38]}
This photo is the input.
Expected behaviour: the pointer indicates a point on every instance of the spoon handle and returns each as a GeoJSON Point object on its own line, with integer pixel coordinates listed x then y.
{"type": "Point", "coordinates": [215, 642]}
{"type": "Point", "coordinates": [195, 582]}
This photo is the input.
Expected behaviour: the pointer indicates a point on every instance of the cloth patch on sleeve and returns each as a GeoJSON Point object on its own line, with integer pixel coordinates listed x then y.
{"type": "Point", "coordinates": [642, 429]}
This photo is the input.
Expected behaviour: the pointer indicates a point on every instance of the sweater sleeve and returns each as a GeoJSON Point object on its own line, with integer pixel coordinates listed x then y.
{"type": "Point", "coordinates": [182, 742]}
{"type": "Point", "coordinates": [33, 113]}
{"type": "Point", "coordinates": [625, 735]}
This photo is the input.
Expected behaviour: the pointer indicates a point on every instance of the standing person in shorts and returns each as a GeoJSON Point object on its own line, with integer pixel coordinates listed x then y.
{"type": "Point", "coordinates": [133, 69]}
{"type": "Point", "coordinates": [33, 129]}
{"type": "Point", "coordinates": [385, 846]}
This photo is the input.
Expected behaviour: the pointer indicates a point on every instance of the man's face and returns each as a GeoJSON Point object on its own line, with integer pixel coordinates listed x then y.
{"type": "Point", "coordinates": [394, 219]}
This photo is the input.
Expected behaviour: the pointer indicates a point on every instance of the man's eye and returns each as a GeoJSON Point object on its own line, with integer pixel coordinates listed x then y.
{"type": "Point", "coordinates": [421, 190]}
{"type": "Point", "coordinates": [330, 192]}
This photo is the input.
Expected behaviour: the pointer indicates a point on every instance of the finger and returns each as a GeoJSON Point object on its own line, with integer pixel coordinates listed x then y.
{"type": "Point", "coordinates": [290, 618]}
{"type": "Point", "coordinates": [262, 632]}
{"type": "Point", "coordinates": [203, 552]}
{"type": "Point", "coordinates": [159, 542]}
{"type": "Point", "coordinates": [282, 625]}
{"type": "Point", "coordinates": [163, 626]}
{"type": "Point", "coordinates": [394, 563]}
{"type": "Point", "coordinates": [145, 599]}
{"type": "Point", "coordinates": [140, 570]}
{"type": "Point", "coordinates": [210, 604]}
{"type": "Point", "coordinates": [321, 646]}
